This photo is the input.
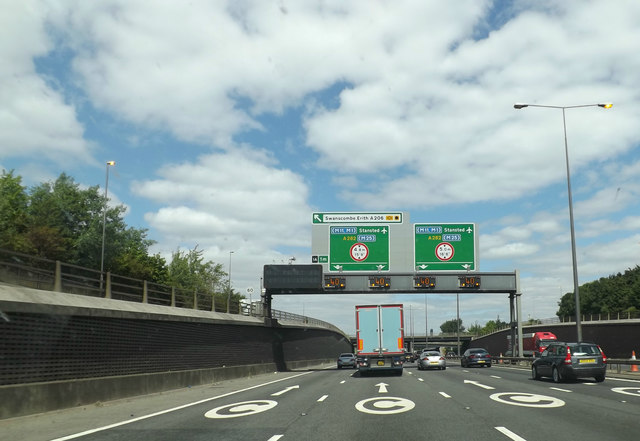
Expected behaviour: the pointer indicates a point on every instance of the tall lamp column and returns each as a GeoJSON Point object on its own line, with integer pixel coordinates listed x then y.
{"type": "Point", "coordinates": [576, 293]}
{"type": "Point", "coordinates": [104, 220]}
{"type": "Point", "coordinates": [229, 283]}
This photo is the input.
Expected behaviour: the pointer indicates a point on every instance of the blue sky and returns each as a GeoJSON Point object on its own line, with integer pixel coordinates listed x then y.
{"type": "Point", "coordinates": [231, 122]}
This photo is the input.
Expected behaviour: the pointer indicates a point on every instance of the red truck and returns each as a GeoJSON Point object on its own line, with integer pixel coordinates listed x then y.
{"type": "Point", "coordinates": [532, 343]}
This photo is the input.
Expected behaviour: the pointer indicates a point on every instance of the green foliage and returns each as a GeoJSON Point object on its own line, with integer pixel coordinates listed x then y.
{"type": "Point", "coordinates": [617, 293]}
{"type": "Point", "coordinates": [191, 273]}
{"type": "Point", "coordinates": [451, 326]}
{"type": "Point", "coordinates": [61, 221]}
{"type": "Point", "coordinates": [13, 218]}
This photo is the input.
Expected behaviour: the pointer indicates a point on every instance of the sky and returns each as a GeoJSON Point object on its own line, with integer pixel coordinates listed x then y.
{"type": "Point", "coordinates": [231, 122]}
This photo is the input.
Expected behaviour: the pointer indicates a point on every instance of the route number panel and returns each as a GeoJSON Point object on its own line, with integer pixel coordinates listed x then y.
{"type": "Point", "coordinates": [359, 248]}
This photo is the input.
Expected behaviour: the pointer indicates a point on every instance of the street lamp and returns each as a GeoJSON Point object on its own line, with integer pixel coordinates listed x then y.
{"type": "Point", "coordinates": [229, 283]}
{"type": "Point", "coordinates": [104, 220]}
{"type": "Point", "coordinates": [573, 234]}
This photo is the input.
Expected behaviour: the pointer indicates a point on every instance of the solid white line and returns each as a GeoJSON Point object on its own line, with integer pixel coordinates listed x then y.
{"type": "Point", "coordinates": [322, 398]}
{"type": "Point", "coordinates": [173, 409]}
{"type": "Point", "coordinates": [275, 437]}
{"type": "Point", "coordinates": [510, 434]}
{"type": "Point", "coordinates": [445, 394]}
{"type": "Point", "coordinates": [561, 390]}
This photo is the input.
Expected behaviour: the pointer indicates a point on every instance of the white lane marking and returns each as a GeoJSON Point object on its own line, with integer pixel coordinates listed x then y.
{"type": "Point", "coordinates": [589, 384]}
{"type": "Point", "coordinates": [420, 379]}
{"type": "Point", "coordinates": [385, 405]}
{"type": "Point", "coordinates": [322, 398]}
{"type": "Point", "coordinates": [509, 433]}
{"type": "Point", "coordinates": [475, 383]}
{"type": "Point", "coordinates": [495, 376]}
{"type": "Point", "coordinates": [635, 391]}
{"type": "Point", "coordinates": [173, 409]}
{"type": "Point", "coordinates": [343, 381]}
{"type": "Point", "coordinates": [382, 388]}
{"type": "Point", "coordinates": [243, 409]}
{"type": "Point", "coordinates": [527, 400]}
{"type": "Point", "coordinates": [285, 390]}
{"type": "Point", "coordinates": [445, 394]}
{"type": "Point", "coordinates": [561, 390]}
{"type": "Point", "coordinates": [275, 437]}
{"type": "Point", "coordinates": [622, 379]}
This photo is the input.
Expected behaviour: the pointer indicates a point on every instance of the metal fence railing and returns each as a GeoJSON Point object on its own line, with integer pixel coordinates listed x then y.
{"type": "Point", "coordinates": [39, 273]}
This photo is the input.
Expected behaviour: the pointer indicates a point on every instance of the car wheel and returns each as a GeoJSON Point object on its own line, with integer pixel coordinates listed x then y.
{"type": "Point", "coordinates": [444, 367]}
{"type": "Point", "coordinates": [557, 378]}
{"type": "Point", "coordinates": [534, 373]}
{"type": "Point", "coordinates": [600, 378]}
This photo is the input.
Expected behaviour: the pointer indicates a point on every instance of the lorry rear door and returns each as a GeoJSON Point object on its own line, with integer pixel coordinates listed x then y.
{"type": "Point", "coordinates": [391, 329]}
{"type": "Point", "coordinates": [368, 339]}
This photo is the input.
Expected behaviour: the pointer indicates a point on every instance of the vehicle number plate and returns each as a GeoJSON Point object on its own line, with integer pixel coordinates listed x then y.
{"type": "Point", "coordinates": [480, 361]}
{"type": "Point", "coordinates": [380, 362]}
{"type": "Point", "coordinates": [434, 362]}
{"type": "Point", "coordinates": [588, 360]}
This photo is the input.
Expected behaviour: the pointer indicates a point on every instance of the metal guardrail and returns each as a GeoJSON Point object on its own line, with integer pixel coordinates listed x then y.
{"type": "Point", "coordinates": [39, 273]}
{"type": "Point", "coordinates": [612, 363]}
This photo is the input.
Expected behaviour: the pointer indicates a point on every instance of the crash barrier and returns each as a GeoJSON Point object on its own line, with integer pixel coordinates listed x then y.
{"type": "Point", "coordinates": [619, 365]}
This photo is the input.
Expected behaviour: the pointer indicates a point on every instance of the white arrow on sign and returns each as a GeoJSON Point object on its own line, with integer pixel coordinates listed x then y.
{"type": "Point", "coordinates": [284, 391]}
{"type": "Point", "coordinates": [382, 388]}
{"type": "Point", "coordinates": [316, 217]}
{"type": "Point", "coordinates": [475, 383]}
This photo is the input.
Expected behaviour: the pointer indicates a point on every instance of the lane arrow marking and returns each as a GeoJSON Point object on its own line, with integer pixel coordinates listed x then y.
{"type": "Point", "coordinates": [283, 391]}
{"type": "Point", "coordinates": [475, 383]}
{"type": "Point", "coordinates": [382, 388]}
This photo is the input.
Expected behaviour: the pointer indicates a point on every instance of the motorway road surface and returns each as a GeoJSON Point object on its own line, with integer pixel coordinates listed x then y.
{"type": "Point", "coordinates": [497, 403]}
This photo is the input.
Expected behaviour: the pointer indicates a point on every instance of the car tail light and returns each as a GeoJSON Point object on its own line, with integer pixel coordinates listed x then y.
{"type": "Point", "coordinates": [441, 358]}
{"type": "Point", "coordinates": [604, 357]}
{"type": "Point", "coordinates": [567, 359]}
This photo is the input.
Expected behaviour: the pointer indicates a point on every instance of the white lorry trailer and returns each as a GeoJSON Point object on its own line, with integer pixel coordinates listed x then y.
{"type": "Point", "coordinates": [380, 338]}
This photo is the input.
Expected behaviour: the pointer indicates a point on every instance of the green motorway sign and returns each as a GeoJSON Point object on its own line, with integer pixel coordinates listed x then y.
{"type": "Point", "coordinates": [359, 248]}
{"type": "Point", "coordinates": [445, 247]}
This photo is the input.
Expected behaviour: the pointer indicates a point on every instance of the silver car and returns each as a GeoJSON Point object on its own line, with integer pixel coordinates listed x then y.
{"type": "Point", "coordinates": [346, 359]}
{"type": "Point", "coordinates": [431, 360]}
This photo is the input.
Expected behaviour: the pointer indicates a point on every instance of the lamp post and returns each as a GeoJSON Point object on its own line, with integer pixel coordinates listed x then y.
{"type": "Point", "coordinates": [104, 220]}
{"type": "Point", "coordinates": [576, 293]}
{"type": "Point", "coordinates": [229, 283]}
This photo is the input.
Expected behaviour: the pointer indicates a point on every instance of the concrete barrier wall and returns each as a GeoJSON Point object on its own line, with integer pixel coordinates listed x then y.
{"type": "Point", "coordinates": [60, 350]}
{"type": "Point", "coordinates": [616, 338]}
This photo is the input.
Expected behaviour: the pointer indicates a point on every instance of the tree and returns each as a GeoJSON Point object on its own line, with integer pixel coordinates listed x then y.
{"type": "Point", "coordinates": [476, 329]}
{"type": "Point", "coordinates": [189, 272]}
{"type": "Point", "coordinates": [618, 293]}
{"type": "Point", "coordinates": [13, 213]}
{"type": "Point", "coordinates": [451, 326]}
{"type": "Point", "coordinates": [64, 215]}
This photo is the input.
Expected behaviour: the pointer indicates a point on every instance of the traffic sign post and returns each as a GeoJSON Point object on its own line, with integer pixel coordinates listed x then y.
{"type": "Point", "coordinates": [445, 247]}
{"type": "Point", "coordinates": [359, 248]}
